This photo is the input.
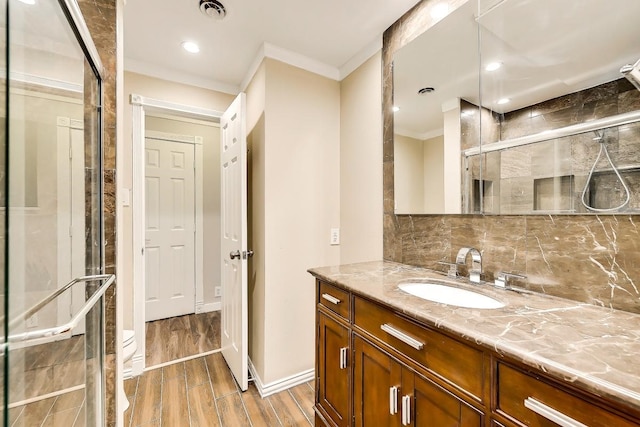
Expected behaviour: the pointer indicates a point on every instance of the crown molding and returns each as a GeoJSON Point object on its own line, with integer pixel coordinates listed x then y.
{"type": "Point", "coordinates": [361, 57]}
{"type": "Point", "coordinates": [161, 72]}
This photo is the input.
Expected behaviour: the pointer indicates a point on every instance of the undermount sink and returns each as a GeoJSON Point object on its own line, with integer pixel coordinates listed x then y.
{"type": "Point", "coordinates": [450, 295]}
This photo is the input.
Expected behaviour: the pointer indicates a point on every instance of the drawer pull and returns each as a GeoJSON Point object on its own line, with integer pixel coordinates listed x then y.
{"type": "Point", "coordinates": [406, 410]}
{"type": "Point", "coordinates": [551, 414]}
{"type": "Point", "coordinates": [331, 299]}
{"type": "Point", "coordinates": [402, 336]}
{"type": "Point", "coordinates": [343, 357]}
{"type": "Point", "coordinates": [393, 400]}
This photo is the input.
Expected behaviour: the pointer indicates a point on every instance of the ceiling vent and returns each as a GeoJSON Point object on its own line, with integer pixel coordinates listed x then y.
{"type": "Point", "coordinates": [213, 9]}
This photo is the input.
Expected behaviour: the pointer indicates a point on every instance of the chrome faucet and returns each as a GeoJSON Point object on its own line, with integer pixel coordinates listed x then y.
{"type": "Point", "coordinates": [476, 263]}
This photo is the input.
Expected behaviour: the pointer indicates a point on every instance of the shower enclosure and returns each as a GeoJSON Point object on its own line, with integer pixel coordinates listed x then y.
{"type": "Point", "coordinates": [52, 254]}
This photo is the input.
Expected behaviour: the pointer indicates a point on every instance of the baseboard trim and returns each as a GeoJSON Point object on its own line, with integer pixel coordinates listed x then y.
{"type": "Point", "coordinates": [281, 384]}
{"type": "Point", "coordinates": [211, 306]}
{"type": "Point", "coordinates": [137, 364]}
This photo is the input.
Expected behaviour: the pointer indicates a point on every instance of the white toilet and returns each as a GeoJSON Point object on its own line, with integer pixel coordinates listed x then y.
{"type": "Point", "coordinates": [129, 346]}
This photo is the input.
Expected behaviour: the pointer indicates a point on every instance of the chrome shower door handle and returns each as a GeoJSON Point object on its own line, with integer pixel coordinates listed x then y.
{"type": "Point", "coordinates": [234, 254]}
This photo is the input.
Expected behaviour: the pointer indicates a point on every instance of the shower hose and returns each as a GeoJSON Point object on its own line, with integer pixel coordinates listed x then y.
{"type": "Point", "coordinates": [603, 147]}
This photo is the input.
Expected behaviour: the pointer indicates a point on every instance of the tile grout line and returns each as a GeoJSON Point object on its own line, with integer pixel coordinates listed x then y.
{"type": "Point", "coordinates": [268, 399]}
{"type": "Point", "coordinates": [299, 406]}
{"type": "Point", "coordinates": [49, 411]}
{"type": "Point", "coordinates": [213, 394]}
{"type": "Point", "coordinates": [240, 392]}
{"type": "Point", "coordinates": [186, 390]}
{"type": "Point", "coordinates": [135, 402]}
{"type": "Point", "coordinates": [79, 411]}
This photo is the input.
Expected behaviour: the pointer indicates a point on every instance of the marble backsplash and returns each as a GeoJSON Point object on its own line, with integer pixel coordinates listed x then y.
{"type": "Point", "coordinates": [586, 258]}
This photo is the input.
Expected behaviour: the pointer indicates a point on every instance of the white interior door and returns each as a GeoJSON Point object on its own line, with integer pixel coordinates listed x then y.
{"type": "Point", "coordinates": [71, 217]}
{"type": "Point", "coordinates": [234, 316]}
{"type": "Point", "coordinates": [169, 229]}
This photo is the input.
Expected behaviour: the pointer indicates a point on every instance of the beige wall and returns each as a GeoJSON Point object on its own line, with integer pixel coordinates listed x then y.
{"type": "Point", "coordinates": [256, 222]}
{"type": "Point", "coordinates": [296, 161]}
{"type": "Point", "coordinates": [434, 196]}
{"type": "Point", "coordinates": [167, 91]}
{"type": "Point", "coordinates": [409, 178]}
{"type": "Point", "coordinates": [360, 163]}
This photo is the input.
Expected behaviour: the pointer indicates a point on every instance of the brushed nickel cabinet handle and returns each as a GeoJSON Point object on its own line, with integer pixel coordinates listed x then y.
{"type": "Point", "coordinates": [551, 414]}
{"type": "Point", "coordinates": [331, 299]}
{"type": "Point", "coordinates": [406, 410]}
{"type": "Point", "coordinates": [343, 357]}
{"type": "Point", "coordinates": [393, 400]}
{"type": "Point", "coordinates": [402, 336]}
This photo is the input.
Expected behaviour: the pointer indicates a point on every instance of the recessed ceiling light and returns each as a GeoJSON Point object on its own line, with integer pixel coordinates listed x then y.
{"type": "Point", "coordinates": [29, 2]}
{"type": "Point", "coordinates": [395, 108]}
{"type": "Point", "coordinates": [503, 101]}
{"type": "Point", "coordinates": [190, 47]}
{"type": "Point", "coordinates": [492, 66]}
{"type": "Point", "coordinates": [439, 11]}
{"type": "Point", "coordinates": [425, 90]}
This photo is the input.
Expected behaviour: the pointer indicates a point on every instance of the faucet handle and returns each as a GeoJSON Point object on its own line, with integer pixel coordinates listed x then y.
{"type": "Point", "coordinates": [502, 279]}
{"type": "Point", "coordinates": [453, 268]}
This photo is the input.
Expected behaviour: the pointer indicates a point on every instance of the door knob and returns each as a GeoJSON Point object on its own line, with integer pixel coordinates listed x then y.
{"type": "Point", "coordinates": [234, 254]}
{"type": "Point", "coordinates": [247, 254]}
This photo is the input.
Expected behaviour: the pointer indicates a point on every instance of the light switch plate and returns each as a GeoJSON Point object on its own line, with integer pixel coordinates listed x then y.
{"type": "Point", "coordinates": [335, 236]}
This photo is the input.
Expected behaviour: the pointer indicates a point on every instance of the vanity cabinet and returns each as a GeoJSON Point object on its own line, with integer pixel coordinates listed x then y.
{"type": "Point", "coordinates": [333, 372]}
{"type": "Point", "coordinates": [527, 400]}
{"type": "Point", "coordinates": [378, 367]}
{"type": "Point", "coordinates": [333, 388]}
{"type": "Point", "coordinates": [389, 393]}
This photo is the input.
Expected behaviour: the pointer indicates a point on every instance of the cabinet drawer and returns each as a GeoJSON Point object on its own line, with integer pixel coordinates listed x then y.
{"type": "Point", "coordinates": [333, 298]}
{"type": "Point", "coordinates": [449, 359]}
{"type": "Point", "coordinates": [532, 402]}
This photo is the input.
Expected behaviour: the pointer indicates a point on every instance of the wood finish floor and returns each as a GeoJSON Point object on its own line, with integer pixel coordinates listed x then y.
{"type": "Point", "coordinates": [66, 410]}
{"type": "Point", "coordinates": [183, 336]}
{"type": "Point", "coordinates": [46, 368]}
{"type": "Point", "coordinates": [202, 392]}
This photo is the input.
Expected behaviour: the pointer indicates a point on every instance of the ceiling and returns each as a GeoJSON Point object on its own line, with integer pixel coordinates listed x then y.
{"type": "Point", "coordinates": [548, 48]}
{"type": "Point", "coordinates": [329, 36]}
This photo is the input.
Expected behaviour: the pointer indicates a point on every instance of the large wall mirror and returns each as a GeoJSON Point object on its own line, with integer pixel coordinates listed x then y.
{"type": "Point", "coordinates": [520, 107]}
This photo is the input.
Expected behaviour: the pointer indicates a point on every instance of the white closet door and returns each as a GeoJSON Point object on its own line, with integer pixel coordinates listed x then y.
{"type": "Point", "coordinates": [170, 228]}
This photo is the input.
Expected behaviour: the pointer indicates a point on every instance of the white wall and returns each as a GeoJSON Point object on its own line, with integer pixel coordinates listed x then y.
{"type": "Point", "coordinates": [167, 91]}
{"type": "Point", "coordinates": [361, 163]}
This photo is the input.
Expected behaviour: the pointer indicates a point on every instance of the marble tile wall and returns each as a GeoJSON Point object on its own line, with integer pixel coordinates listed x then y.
{"type": "Point", "coordinates": [100, 16]}
{"type": "Point", "coordinates": [588, 258]}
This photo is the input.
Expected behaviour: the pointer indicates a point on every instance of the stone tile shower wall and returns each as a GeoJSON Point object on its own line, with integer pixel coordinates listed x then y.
{"type": "Point", "coordinates": [587, 258]}
{"type": "Point", "coordinates": [550, 175]}
{"type": "Point", "coordinates": [100, 16]}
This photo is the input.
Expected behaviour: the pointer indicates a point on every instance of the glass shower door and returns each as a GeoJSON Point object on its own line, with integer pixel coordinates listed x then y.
{"type": "Point", "coordinates": [51, 194]}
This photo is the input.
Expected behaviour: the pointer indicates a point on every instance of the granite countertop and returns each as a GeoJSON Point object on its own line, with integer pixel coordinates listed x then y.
{"type": "Point", "coordinates": [597, 349]}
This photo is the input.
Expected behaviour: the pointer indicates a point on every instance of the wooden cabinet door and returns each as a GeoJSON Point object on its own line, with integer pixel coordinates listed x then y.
{"type": "Point", "coordinates": [333, 370]}
{"type": "Point", "coordinates": [436, 407]}
{"type": "Point", "coordinates": [375, 374]}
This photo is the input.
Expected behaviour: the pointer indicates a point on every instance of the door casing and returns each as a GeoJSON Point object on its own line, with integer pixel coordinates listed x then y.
{"type": "Point", "coordinates": [141, 106]}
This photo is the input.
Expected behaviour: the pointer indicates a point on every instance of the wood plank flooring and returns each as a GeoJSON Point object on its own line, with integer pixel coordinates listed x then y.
{"type": "Point", "coordinates": [202, 392]}
{"type": "Point", "coordinates": [183, 336]}
{"type": "Point", "coordinates": [66, 410]}
{"type": "Point", "coordinates": [46, 368]}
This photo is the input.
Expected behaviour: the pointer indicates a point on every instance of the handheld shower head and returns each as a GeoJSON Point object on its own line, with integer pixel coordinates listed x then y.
{"type": "Point", "coordinates": [632, 73]}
